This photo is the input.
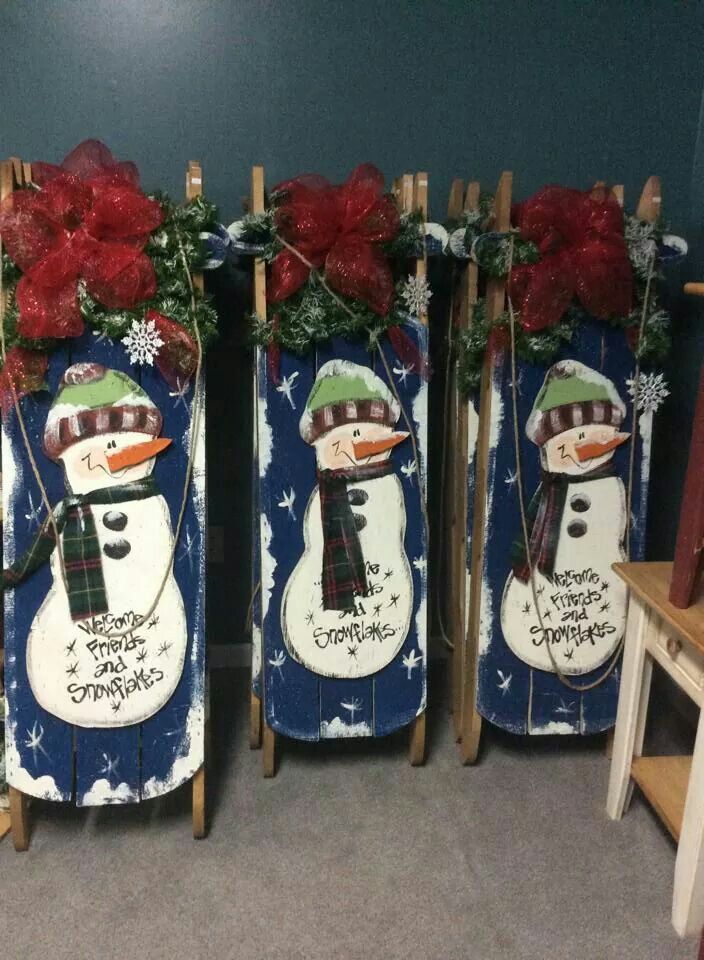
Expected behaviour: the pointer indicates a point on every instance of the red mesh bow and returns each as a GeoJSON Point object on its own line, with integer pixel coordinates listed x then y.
{"type": "Point", "coordinates": [23, 372]}
{"type": "Point", "coordinates": [178, 356]}
{"type": "Point", "coordinates": [88, 221]}
{"type": "Point", "coordinates": [583, 253]}
{"type": "Point", "coordinates": [338, 228]}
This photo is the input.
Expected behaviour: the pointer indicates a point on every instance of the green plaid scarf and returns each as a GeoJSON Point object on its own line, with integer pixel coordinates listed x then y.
{"type": "Point", "coordinates": [81, 547]}
{"type": "Point", "coordinates": [544, 518]}
{"type": "Point", "coordinates": [344, 575]}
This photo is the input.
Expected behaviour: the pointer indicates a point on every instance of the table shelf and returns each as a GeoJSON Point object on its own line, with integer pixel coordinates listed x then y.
{"type": "Point", "coordinates": [663, 781]}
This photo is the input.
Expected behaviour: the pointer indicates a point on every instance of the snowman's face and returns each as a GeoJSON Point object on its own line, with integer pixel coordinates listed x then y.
{"type": "Point", "coordinates": [86, 462]}
{"type": "Point", "coordinates": [336, 448]}
{"type": "Point", "coordinates": [565, 453]}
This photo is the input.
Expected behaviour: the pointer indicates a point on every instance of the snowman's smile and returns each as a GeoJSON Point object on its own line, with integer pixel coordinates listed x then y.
{"type": "Point", "coordinates": [101, 466]}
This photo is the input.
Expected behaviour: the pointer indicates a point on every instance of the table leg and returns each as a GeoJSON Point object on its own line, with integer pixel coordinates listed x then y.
{"type": "Point", "coordinates": [688, 896]}
{"type": "Point", "coordinates": [629, 717]}
{"type": "Point", "coordinates": [641, 720]}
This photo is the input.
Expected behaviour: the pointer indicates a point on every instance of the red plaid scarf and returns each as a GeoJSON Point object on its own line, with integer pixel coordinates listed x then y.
{"type": "Point", "coordinates": [344, 575]}
{"type": "Point", "coordinates": [544, 516]}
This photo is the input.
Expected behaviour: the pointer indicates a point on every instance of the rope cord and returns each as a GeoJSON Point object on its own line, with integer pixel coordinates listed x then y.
{"type": "Point", "coordinates": [196, 412]}
{"type": "Point", "coordinates": [611, 666]}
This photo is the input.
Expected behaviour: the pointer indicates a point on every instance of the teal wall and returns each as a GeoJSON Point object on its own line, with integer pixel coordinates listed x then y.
{"type": "Point", "coordinates": [556, 91]}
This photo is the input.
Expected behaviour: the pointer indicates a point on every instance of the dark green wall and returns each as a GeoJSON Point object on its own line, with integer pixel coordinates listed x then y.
{"type": "Point", "coordinates": [556, 91]}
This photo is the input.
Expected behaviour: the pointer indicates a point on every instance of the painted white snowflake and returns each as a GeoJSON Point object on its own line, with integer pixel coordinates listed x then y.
{"type": "Point", "coordinates": [287, 502]}
{"type": "Point", "coordinates": [143, 342]}
{"type": "Point", "coordinates": [402, 372]}
{"type": "Point", "coordinates": [416, 294]}
{"type": "Point", "coordinates": [410, 662]}
{"type": "Point", "coordinates": [287, 386]}
{"type": "Point", "coordinates": [408, 469]}
{"type": "Point", "coordinates": [652, 391]}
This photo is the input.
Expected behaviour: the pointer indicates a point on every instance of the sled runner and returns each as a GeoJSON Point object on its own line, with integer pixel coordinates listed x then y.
{"type": "Point", "coordinates": [342, 544]}
{"type": "Point", "coordinates": [104, 637]}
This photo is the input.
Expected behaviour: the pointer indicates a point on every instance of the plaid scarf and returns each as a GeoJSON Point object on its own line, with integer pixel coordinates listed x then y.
{"type": "Point", "coordinates": [543, 518]}
{"type": "Point", "coordinates": [81, 547]}
{"type": "Point", "coordinates": [343, 563]}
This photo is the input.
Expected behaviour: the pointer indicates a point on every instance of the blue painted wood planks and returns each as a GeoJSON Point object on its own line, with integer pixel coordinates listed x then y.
{"type": "Point", "coordinates": [330, 672]}
{"type": "Point", "coordinates": [579, 524]}
{"type": "Point", "coordinates": [111, 761]}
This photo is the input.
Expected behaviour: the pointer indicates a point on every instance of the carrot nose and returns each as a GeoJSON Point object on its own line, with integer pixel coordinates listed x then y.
{"type": "Point", "coordinates": [136, 453]}
{"type": "Point", "coordinates": [368, 448]}
{"type": "Point", "coordinates": [590, 450]}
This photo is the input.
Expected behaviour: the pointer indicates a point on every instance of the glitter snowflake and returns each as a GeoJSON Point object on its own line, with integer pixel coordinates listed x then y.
{"type": "Point", "coordinates": [143, 342]}
{"type": "Point", "coordinates": [652, 391]}
{"type": "Point", "coordinates": [416, 294]}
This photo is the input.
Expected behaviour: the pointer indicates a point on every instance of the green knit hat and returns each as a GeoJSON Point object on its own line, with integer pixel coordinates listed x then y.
{"type": "Point", "coordinates": [345, 392]}
{"type": "Point", "coordinates": [91, 401]}
{"type": "Point", "coordinates": [573, 395]}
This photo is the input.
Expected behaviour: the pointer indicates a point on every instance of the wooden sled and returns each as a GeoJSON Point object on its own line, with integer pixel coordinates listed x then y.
{"type": "Point", "coordinates": [465, 613]}
{"type": "Point", "coordinates": [73, 748]}
{"type": "Point", "coordinates": [411, 193]}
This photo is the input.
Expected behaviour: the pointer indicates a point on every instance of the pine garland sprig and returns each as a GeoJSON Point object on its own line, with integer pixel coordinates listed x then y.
{"type": "Point", "coordinates": [313, 316]}
{"type": "Point", "coordinates": [408, 242]}
{"type": "Point", "coordinates": [492, 252]}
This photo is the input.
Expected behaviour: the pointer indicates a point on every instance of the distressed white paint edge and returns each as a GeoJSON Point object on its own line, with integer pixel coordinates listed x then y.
{"type": "Point", "coordinates": [19, 777]}
{"type": "Point", "coordinates": [645, 428]}
{"type": "Point", "coordinates": [495, 424]}
{"type": "Point", "coordinates": [185, 766]}
{"type": "Point", "coordinates": [265, 437]}
{"type": "Point", "coordinates": [420, 418]}
{"type": "Point", "coordinates": [268, 561]}
{"type": "Point", "coordinates": [337, 729]}
{"type": "Point", "coordinates": [554, 726]}
{"type": "Point", "coordinates": [102, 793]}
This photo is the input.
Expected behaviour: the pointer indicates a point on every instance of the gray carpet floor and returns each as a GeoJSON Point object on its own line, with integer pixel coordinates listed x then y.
{"type": "Point", "coordinates": [350, 853]}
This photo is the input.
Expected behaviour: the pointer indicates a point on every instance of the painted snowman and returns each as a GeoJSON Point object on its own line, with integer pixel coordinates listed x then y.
{"type": "Point", "coordinates": [347, 606]}
{"type": "Point", "coordinates": [576, 527]}
{"type": "Point", "coordinates": [116, 541]}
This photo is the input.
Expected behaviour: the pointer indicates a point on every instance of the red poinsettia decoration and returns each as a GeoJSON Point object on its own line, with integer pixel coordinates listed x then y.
{"type": "Point", "coordinates": [340, 229]}
{"type": "Point", "coordinates": [583, 253]}
{"type": "Point", "coordinates": [88, 221]}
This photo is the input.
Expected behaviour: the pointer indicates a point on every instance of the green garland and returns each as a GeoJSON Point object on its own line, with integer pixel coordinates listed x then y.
{"type": "Point", "coordinates": [180, 229]}
{"type": "Point", "coordinates": [491, 251]}
{"type": "Point", "coordinates": [312, 315]}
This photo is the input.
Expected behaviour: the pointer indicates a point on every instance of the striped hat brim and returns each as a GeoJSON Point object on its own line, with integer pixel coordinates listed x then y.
{"type": "Point", "coordinates": [63, 431]}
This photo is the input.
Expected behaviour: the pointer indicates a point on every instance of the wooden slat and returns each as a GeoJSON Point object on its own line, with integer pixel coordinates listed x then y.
{"type": "Point", "coordinates": [420, 202]}
{"type": "Point", "coordinates": [664, 782]}
{"type": "Point", "coordinates": [495, 302]}
{"type": "Point", "coordinates": [650, 200]}
{"type": "Point", "coordinates": [454, 473]}
{"type": "Point", "coordinates": [458, 559]}
{"type": "Point", "coordinates": [4, 823]}
{"type": "Point", "coordinates": [256, 205]}
{"type": "Point", "coordinates": [194, 188]}
{"type": "Point", "coordinates": [259, 264]}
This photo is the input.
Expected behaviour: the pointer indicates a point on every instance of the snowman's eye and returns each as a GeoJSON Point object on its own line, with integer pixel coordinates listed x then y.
{"type": "Point", "coordinates": [581, 436]}
{"type": "Point", "coordinates": [356, 433]}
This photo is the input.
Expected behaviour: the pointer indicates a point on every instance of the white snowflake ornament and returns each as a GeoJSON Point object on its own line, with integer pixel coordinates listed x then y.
{"type": "Point", "coordinates": [143, 342]}
{"type": "Point", "coordinates": [416, 294]}
{"type": "Point", "coordinates": [652, 391]}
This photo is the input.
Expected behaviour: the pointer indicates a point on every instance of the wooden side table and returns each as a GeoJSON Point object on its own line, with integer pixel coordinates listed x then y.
{"type": "Point", "coordinates": [656, 630]}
